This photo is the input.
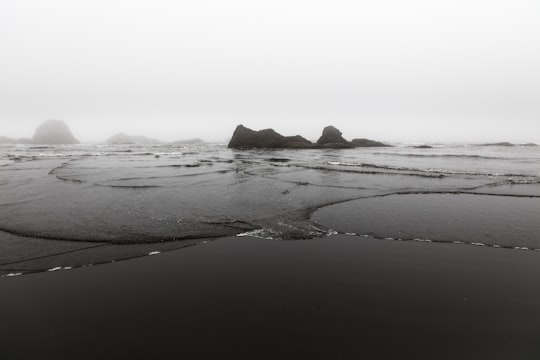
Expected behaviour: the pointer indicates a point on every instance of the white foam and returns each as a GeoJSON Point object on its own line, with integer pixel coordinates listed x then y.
{"type": "Point", "coordinates": [154, 253]}
{"type": "Point", "coordinates": [350, 234]}
{"type": "Point", "coordinates": [342, 163]}
{"type": "Point", "coordinates": [319, 230]}
{"type": "Point", "coordinates": [13, 274]}
{"type": "Point", "coordinates": [260, 233]}
{"type": "Point", "coordinates": [60, 268]}
{"type": "Point", "coordinates": [521, 248]}
{"type": "Point", "coordinates": [478, 244]}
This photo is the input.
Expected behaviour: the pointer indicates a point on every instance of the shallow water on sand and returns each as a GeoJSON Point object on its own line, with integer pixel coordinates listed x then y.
{"type": "Point", "coordinates": [102, 203]}
{"type": "Point", "coordinates": [499, 221]}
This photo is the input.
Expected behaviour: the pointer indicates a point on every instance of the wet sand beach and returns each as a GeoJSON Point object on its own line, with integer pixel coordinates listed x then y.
{"type": "Point", "coordinates": [80, 205]}
{"type": "Point", "coordinates": [395, 253]}
{"type": "Point", "coordinates": [331, 298]}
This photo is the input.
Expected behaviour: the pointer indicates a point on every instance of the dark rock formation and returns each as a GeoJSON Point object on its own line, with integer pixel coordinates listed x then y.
{"type": "Point", "coordinates": [423, 147]}
{"type": "Point", "coordinates": [368, 143]}
{"type": "Point", "coordinates": [246, 138]}
{"type": "Point", "coordinates": [498, 144]}
{"type": "Point", "coordinates": [123, 139]}
{"type": "Point", "coordinates": [54, 132]}
{"type": "Point", "coordinates": [528, 144]}
{"type": "Point", "coordinates": [298, 142]}
{"type": "Point", "coordinates": [332, 135]}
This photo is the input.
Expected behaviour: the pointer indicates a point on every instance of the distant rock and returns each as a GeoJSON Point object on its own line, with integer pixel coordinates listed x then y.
{"type": "Point", "coordinates": [244, 137]}
{"type": "Point", "coordinates": [54, 132]}
{"type": "Point", "coordinates": [331, 136]}
{"type": "Point", "coordinates": [123, 139]}
{"type": "Point", "coordinates": [498, 144]}
{"type": "Point", "coordinates": [368, 143]}
{"type": "Point", "coordinates": [298, 142]}
{"type": "Point", "coordinates": [188, 142]}
{"type": "Point", "coordinates": [528, 144]}
{"type": "Point", "coordinates": [423, 147]}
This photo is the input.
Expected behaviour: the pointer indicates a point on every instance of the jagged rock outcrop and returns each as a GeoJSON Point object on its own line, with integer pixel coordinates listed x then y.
{"type": "Point", "coordinates": [332, 136]}
{"type": "Point", "coordinates": [298, 142]}
{"type": "Point", "coordinates": [54, 132]}
{"type": "Point", "coordinates": [246, 138]}
{"type": "Point", "coordinates": [123, 139]}
{"type": "Point", "coordinates": [368, 143]}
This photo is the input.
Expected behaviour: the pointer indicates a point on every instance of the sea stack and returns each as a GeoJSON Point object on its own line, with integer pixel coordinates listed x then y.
{"type": "Point", "coordinates": [245, 138]}
{"type": "Point", "coordinates": [368, 143]}
{"type": "Point", "coordinates": [54, 132]}
{"type": "Point", "coordinates": [331, 136]}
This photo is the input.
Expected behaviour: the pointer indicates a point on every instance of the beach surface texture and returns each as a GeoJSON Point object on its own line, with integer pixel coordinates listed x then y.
{"type": "Point", "coordinates": [200, 251]}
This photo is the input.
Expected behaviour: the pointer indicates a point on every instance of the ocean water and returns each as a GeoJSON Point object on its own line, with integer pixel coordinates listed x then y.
{"type": "Point", "coordinates": [70, 206]}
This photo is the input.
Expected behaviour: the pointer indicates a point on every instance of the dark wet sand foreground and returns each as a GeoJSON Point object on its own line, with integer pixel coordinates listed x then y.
{"type": "Point", "coordinates": [339, 297]}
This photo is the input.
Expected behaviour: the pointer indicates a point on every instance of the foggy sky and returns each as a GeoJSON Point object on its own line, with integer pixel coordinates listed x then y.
{"type": "Point", "coordinates": [462, 70]}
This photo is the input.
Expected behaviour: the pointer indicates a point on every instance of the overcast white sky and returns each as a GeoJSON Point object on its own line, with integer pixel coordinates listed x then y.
{"type": "Point", "coordinates": [392, 70]}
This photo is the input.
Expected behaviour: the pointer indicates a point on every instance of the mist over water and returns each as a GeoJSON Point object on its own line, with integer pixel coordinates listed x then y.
{"type": "Point", "coordinates": [461, 71]}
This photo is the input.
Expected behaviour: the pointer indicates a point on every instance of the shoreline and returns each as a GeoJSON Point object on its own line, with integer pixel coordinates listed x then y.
{"type": "Point", "coordinates": [335, 297]}
{"type": "Point", "coordinates": [171, 246]}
